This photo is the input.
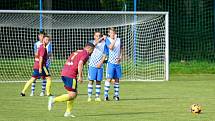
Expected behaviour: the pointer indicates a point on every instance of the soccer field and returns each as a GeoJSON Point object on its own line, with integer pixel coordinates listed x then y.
{"type": "Point", "coordinates": [140, 101]}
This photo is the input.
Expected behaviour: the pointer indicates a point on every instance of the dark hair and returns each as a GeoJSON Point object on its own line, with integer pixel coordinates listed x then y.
{"type": "Point", "coordinates": [112, 29]}
{"type": "Point", "coordinates": [42, 32]}
{"type": "Point", "coordinates": [90, 44]}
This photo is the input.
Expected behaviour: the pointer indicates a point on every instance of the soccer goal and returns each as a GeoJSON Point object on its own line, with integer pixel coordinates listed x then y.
{"type": "Point", "coordinates": [144, 38]}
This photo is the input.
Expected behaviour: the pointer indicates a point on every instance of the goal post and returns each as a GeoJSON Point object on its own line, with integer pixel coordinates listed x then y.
{"type": "Point", "coordinates": [70, 30]}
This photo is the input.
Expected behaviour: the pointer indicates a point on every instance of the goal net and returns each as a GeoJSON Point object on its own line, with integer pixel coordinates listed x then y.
{"type": "Point", "coordinates": [144, 37]}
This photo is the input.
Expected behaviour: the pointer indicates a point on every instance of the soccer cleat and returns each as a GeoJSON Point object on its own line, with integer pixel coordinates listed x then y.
{"type": "Point", "coordinates": [50, 102]}
{"type": "Point", "coordinates": [97, 99]}
{"type": "Point", "coordinates": [32, 94]}
{"type": "Point", "coordinates": [89, 99]}
{"type": "Point", "coordinates": [68, 114]}
{"type": "Point", "coordinates": [42, 94]}
{"type": "Point", "coordinates": [22, 94]}
{"type": "Point", "coordinates": [116, 98]}
{"type": "Point", "coordinates": [106, 99]}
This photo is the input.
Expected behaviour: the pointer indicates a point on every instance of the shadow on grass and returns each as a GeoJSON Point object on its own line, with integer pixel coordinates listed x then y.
{"type": "Point", "coordinates": [142, 98]}
{"type": "Point", "coordinates": [125, 113]}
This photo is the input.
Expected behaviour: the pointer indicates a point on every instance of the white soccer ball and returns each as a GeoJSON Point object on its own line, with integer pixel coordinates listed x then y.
{"type": "Point", "coordinates": [196, 109]}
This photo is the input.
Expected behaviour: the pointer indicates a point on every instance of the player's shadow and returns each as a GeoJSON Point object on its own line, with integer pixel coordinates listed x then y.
{"type": "Point", "coordinates": [124, 113]}
{"type": "Point", "coordinates": [143, 98]}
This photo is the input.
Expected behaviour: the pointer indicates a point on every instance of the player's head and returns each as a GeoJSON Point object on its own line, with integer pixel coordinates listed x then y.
{"type": "Point", "coordinates": [41, 35]}
{"type": "Point", "coordinates": [111, 32]}
{"type": "Point", "coordinates": [97, 35]}
{"type": "Point", "coordinates": [46, 39]}
{"type": "Point", "coordinates": [89, 47]}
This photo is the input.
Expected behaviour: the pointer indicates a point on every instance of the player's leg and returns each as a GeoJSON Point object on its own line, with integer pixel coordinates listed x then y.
{"type": "Point", "coordinates": [69, 98]}
{"type": "Point", "coordinates": [90, 90]}
{"type": "Point", "coordinates": [48, 64]}
{"type": "Point", "coordinates": [117, 76]}
{"type": "Point", "coordinates": [98, 83]}
{"type": "Point", "coordinates": [43, 87]}
{"type": "Point", "coordinates": [35, 75]}
{"type": "Point", "coordinates": [48, 86]}
{"type": "Point", "coordinates": [71, 87]}
{"type": "Point", "coordinates": [27, 84]}
{"type": "Point", "coordinates": [33, 85]}
{"type": "Point", "coordinates": [98, 91]}
{"type": "Point", "coordinates": [116, 89]}
{"type": "Point", "coordinates": [91, 78]}
{"type": "Point", "coordinates": [46, 74]}
{"type": "Point", "coordinates": [70, 104]}
{"type": "Point", "coordinates": [109, 75]}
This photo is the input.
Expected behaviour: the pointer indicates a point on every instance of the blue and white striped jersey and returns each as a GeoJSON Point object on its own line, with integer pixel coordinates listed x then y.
{"type": "Point", "coordinates": [36, 46]}
{"type": "Point", "coordinates": [98, 52]}
{"type": "Point", "coordinates": [115, 53]}
{"type": "Point", "coordinates": [48, 48]}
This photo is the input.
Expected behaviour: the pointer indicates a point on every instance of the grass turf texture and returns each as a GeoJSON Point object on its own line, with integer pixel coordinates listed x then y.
{"type": "Point", "coordinates": [21, 69]}
{"type": "Point", "coordinates": [148, 101]}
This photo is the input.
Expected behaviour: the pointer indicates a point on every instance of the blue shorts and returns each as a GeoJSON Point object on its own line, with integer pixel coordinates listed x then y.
{"type": "Point", "coordinates": [113, 71]}
{"type": "Point", "coordinates": [37, 75]}
{"type": "Point", "coordinates": [95, 73]}
{"type": "Point", "coordinates": [70, 84]}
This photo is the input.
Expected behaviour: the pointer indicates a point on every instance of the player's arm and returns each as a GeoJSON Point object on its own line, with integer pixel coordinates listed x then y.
{"type": "Point", "coordinates": [101, 61]}
{"type": "Point", "coordinates": [40, 64]}
{"type": "Point", "coordinates": [80, 71]}
{"type": "Point", "coordinates": [105, 54]}
{"type": "Point", "coordinates": [121, 50]}
{"type": "Point", "coordinates": [35, 50]}
{"type": "Point", "coordinates": [41, 53]}
{"type": "Point", "coordinates": [49, 50]}
{"type": "Point", "coordinates": [111, 44]}
{"type": "Point", "coordinates": [120, 57]}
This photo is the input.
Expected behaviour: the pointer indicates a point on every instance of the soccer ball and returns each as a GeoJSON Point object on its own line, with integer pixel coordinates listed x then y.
{"type": "Point", "coordinates": [196, 109]}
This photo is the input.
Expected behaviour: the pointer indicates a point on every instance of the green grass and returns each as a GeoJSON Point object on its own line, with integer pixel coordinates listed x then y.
{"type": "Point", "coordinates": [140, 101]}
{"type": "Point", "coordinates": [192, 67]}
{"type": "Point", "coordinates": [21, 69]}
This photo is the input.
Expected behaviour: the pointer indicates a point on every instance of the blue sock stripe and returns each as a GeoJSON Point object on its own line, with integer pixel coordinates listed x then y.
{"type": "Point", "coordinates": [97, 92]}
{"type": "Point", "coordinates": [90, 87]}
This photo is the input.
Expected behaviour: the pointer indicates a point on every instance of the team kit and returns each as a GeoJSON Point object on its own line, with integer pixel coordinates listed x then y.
{"type": "Point", "coordinates": [103, 49]}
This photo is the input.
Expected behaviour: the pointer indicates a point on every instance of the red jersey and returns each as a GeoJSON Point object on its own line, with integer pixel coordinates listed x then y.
{"type": "Point", "coordinates": [70, 68]}
{"type": "Point", "coordinates": [42, 52]}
